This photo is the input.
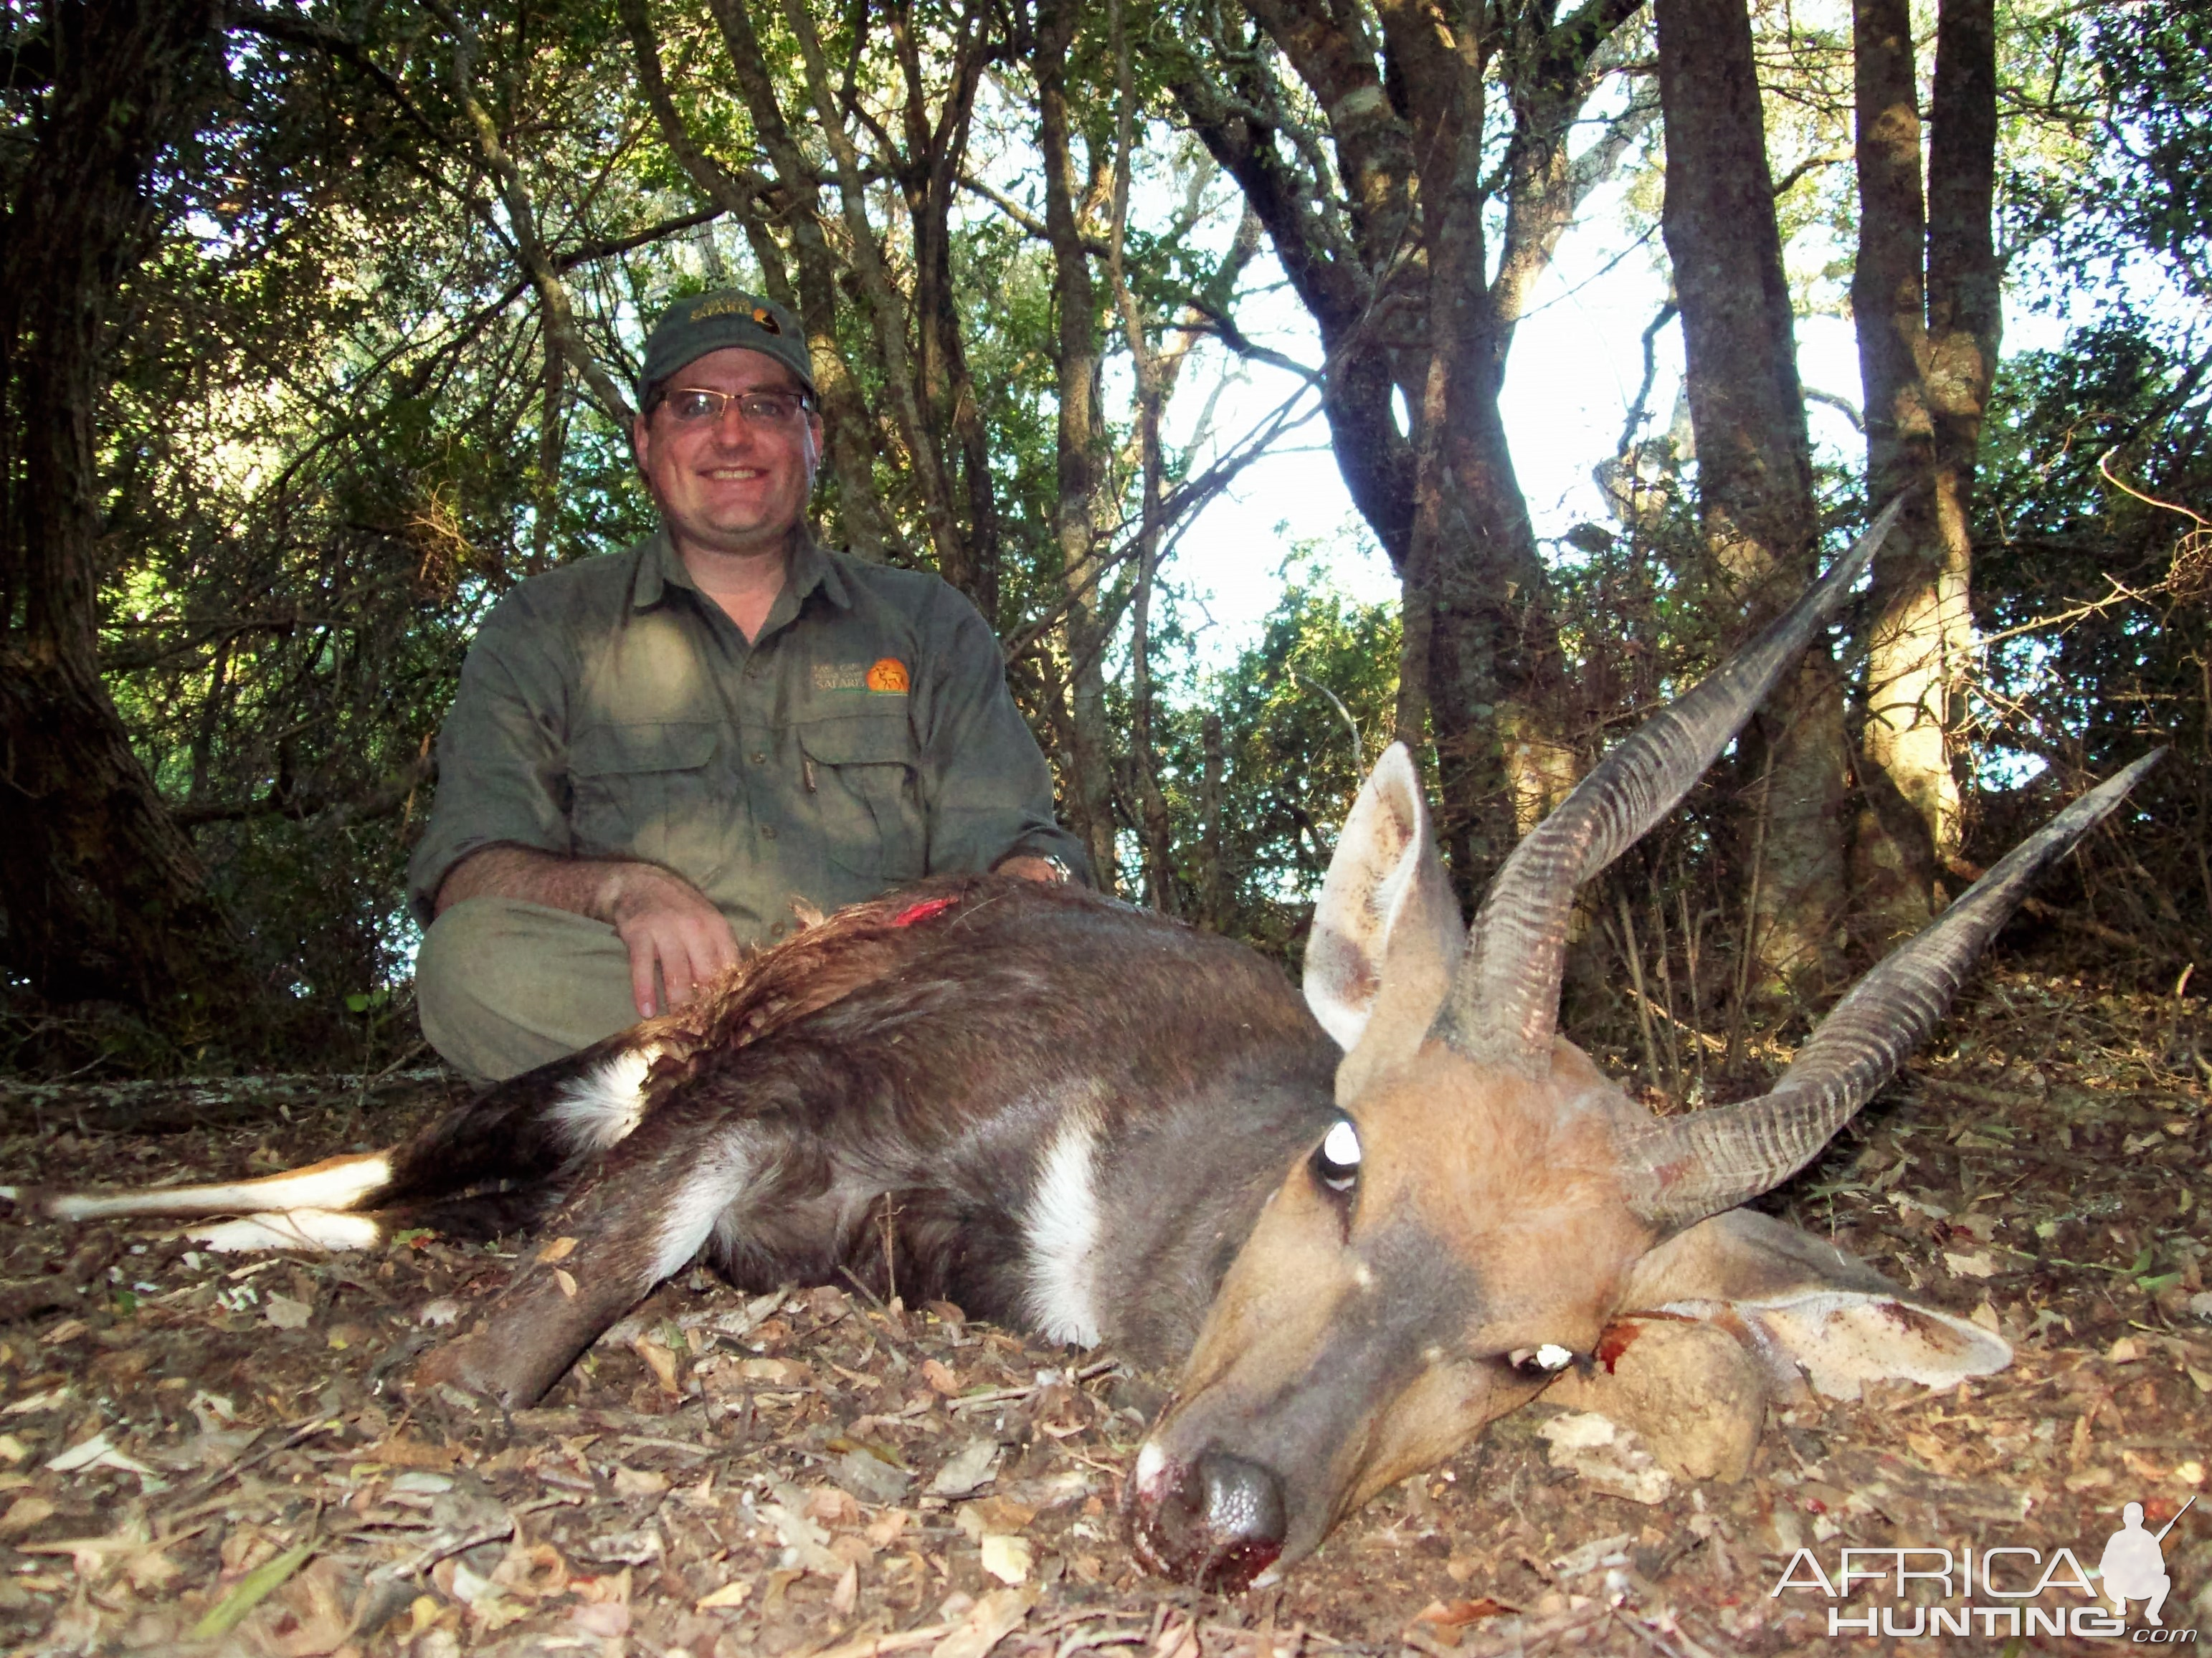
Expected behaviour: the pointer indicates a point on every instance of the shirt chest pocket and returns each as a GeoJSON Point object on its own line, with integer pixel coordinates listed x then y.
{"type": "Point", "coordinates": [863, 793]}
{"type": "Point", "coordinates": [643, 791]}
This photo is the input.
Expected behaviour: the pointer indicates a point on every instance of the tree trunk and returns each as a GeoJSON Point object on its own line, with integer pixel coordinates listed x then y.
{"type": "Point", "coordinates": [1397, 273]}
{"type": "Point", "coordinates": [1966, 324]}
{"type": "Point", "coordinates": [105, 895]}
{"type": "Point", "coordinates": [1082, 454]}
{"type": "Point", "coordinates": [929, 177]}
{"type": "Point", "coordinates": [1914, 382]}
{"type": "Point", "coordinates": [1754, 466]}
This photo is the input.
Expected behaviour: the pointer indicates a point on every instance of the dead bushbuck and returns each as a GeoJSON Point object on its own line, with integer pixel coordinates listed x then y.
{"type": "Point", "coordinates": [1367, 1237]}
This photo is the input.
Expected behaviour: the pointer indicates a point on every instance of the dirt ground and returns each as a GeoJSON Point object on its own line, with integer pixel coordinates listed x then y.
{"type": "Point", "coordinates": [204, 1453]}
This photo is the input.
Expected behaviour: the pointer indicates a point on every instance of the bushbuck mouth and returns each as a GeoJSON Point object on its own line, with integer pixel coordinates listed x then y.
{"type": "Point", "coordinates": [1219, 1522]}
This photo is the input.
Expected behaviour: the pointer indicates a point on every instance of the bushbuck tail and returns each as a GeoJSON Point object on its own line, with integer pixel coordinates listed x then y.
{"type": "Point", "coordinates": [1371, 1227]}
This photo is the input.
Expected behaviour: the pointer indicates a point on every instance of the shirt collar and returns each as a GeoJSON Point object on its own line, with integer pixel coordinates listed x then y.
{"type": "Point", "coordinates": [660, 567]}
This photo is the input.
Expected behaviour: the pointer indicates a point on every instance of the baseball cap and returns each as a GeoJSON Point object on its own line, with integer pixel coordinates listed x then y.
{"type": "Point", "coordinates": [692, 327]}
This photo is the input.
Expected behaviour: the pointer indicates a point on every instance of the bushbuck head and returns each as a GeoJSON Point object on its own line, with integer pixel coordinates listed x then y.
{"type": "Point", "coordinates": [1486, 1204]}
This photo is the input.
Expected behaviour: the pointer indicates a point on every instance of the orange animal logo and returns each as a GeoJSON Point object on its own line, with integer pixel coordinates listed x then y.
{"type": "Point", "coordinates": [889, 675]}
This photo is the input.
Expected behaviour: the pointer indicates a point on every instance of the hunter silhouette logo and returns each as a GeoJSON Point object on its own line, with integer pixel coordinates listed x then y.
{"type": "Point", "coordinates": [1999, 1591]}
{"type": "Point", "coordinates": [2134, 1565]}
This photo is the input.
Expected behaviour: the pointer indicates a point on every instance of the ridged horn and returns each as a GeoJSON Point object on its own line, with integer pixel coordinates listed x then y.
{"type": "Point", "coordinates": [1505, 999]}
{"type": "Point", "coordinates": [1689, 1167]}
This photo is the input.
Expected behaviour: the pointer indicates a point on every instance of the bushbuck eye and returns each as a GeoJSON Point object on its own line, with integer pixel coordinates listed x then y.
{"type": "Point", "coordinates": [1540, 1361]}
{"type": "Point", "coordinates": [1336, 1161]}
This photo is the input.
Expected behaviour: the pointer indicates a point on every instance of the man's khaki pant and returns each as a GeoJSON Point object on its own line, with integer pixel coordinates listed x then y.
{"type": "Point", "coordinates": [503, 986]}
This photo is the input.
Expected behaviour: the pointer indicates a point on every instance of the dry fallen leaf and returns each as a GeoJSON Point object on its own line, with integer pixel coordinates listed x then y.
{"type": "Point", "coordinates": [24, 1513]}
{"type": "Point", "coordinates": [940, 1378]}
{"type": "Point", "coordinates": [640, 1482]}
{"type": "Point", "coordinates": [403, 1451]}
{"type": "Point", "coordinates": [969, 1469]}
{"type": "Point", "coordinates": [735, 1593]}
{"type": "Point", "coordinates": [606, 1619]}
{"type": "Point", "coordinates": [831, 1506]}
{"type": "Point", "coordinates": [992, 1618]}
{"type": "Point", "coordinates": [1008, 1558]}
{"type": "Point", "coordinates": [556, 1249]}
{"type": "Point", "coordinates": [568, 1283]}
{"type": "Point", "coordinates": [1462, 1612]}
{"type": "Point", "coordinates": [661, 1363]}
{"type": "Point", "coordinates": [885, 1530]}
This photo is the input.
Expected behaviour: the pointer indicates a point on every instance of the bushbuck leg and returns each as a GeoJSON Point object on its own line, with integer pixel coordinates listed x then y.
{"type": "Point", "coordinates": [632, 1220]}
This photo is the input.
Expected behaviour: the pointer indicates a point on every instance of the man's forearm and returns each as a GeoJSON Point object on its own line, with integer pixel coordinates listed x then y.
{"type": "Point", "coordinates": [582, 886]}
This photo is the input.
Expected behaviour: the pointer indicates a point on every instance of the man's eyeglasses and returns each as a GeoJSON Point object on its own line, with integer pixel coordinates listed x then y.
{"type": "Point", "coordinates": [694, 405]}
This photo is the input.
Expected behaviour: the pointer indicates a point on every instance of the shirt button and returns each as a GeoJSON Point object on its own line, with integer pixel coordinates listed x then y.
{"type": "Point", "coordinates": [767, 831]}
{"type": "Point", "coordinates": [775, 930]}
{"type": "Point", "coordinates": [752, 671]}
{"type": "Point", "coordinates": [758, 758]}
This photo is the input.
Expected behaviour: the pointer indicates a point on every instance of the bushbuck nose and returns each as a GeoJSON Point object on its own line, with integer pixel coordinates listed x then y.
{"type": "Point", "coordinates": [1218, 1522]}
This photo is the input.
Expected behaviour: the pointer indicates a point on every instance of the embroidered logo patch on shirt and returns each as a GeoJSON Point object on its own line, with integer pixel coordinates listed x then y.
{"type": "Point", "coordinates": [885, 676]}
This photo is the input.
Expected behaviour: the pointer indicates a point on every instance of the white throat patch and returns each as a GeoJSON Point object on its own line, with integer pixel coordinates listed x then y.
{"type": "Point", "coordinates": [1061, 1226]}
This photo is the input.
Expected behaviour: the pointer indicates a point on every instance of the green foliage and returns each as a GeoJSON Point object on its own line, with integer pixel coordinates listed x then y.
{"type": "Point", "coordinates": [328, 448]}
{"type": "Point", "coordinates": [1291, 766]}
{"type": "Point", "coordinates": [2097, 603]}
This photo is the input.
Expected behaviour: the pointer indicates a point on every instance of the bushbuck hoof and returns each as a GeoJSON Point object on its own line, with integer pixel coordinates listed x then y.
{"type": "Point", "coordinates": [462, 1364]}
{"type": "Point", "coordinates": [487, 1364]}
{"type": "Point", "coordinates": [1218, 1522]}
{"type": "Point", "coordinates": [1692, 1390]}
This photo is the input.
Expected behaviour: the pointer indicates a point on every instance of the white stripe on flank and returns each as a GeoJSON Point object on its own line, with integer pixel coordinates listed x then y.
{"type": "Point", "coordinates": [599, 1109]}
{"type": "Point", "coordinates": [334, 1183]}
{"type": "Point", "coordinates": [702, 1205]}
{"type": "Point", "coordinates": [1061, 1226]}
{"type": "Point", "coordinates": [305, 1230]}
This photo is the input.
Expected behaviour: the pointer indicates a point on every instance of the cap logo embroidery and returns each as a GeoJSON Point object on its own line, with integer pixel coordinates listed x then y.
{"type": "Point", "coordinates": [766, 320]}
{"type": "Point", "coordinates": [888, 676]}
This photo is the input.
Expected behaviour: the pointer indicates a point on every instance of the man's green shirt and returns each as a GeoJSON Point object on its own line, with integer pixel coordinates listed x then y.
{"type": "Point", "coordinates": [609, 709]}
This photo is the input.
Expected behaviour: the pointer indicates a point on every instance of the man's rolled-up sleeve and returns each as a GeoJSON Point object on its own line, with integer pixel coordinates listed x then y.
{"type": "Point", "coordinates": [503, 754]}
{"type": "Point", "coordinates": [985, 785]}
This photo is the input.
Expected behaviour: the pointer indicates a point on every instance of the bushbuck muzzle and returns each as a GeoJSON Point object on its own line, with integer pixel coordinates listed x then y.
{"type": "Point", "coordinates": [1371, 1220]}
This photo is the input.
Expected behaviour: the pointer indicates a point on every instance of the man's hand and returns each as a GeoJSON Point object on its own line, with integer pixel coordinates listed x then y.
{"type": "Point", "coordinates": [1030, 867]}
{"type": "Point", "coordinates": [664, 921]}
{"type": "Point", "coordinates": [667, 924]}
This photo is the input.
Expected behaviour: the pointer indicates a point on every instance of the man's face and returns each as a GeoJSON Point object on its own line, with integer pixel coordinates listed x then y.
{"type": "Point", "coordinates": [731, 485]}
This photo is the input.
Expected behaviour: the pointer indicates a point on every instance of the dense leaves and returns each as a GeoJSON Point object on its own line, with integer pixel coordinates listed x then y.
{"type": "Point", "coordinates": [339, 414]}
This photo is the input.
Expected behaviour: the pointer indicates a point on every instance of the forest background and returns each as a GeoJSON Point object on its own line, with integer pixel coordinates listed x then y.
{"type": "Point", "coordinates": [320, 323]}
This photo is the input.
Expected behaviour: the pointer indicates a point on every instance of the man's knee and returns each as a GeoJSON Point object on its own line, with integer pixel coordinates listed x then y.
{"type": "Point", "coordinates": [502, 986]}
{"type": "Point", "coordinates": [467, 952]}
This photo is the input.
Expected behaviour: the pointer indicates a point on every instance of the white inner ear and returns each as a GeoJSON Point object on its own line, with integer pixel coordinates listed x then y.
{"type": "Point", "coordinates": [1375, 866]}
{"type": "Point", "coordinates": [1841, 1339]}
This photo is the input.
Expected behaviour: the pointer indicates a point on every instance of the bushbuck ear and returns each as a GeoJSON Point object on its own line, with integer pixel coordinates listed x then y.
{"type": "Point", "coordinates": [1387, 934]}
{"type": "Point", "coordinates": [1807, 1308]}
